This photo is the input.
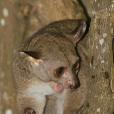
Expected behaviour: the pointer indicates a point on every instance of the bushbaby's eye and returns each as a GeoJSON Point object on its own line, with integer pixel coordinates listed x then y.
{"type": "Point", "coordinates": [76, 65]}
{"type": "Point", "coordinates": [59, 71]}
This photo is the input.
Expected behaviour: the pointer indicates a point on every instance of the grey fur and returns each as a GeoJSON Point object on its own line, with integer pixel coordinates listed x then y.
{"type": "Point", "coordinates": [55, 46]}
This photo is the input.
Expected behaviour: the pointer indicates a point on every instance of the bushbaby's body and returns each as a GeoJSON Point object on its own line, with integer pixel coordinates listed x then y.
{"type": "Point", "coordinates": [46, 69]}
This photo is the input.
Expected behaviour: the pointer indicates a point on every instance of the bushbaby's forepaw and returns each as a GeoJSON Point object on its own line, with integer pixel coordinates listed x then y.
{"type": "Point", "coordinates": [29, 111]}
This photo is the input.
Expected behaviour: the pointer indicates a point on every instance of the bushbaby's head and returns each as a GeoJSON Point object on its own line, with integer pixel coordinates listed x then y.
{"type": "Point", "coordinates": [52, 55]}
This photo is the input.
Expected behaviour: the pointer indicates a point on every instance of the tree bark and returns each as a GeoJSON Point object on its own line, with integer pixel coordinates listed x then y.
{"type": "Point", "coordinates": [100, 94]}
{"type": "Point", "coordinates": [7, 39]}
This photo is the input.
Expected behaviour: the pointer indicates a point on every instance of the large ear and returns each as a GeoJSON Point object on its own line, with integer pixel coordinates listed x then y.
{"type": "Point", "coordinates": [30, 55]}
{"type": "Point", "coordinates": [79, 31]}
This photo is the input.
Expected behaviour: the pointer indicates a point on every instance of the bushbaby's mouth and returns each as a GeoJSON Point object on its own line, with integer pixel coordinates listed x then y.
{"type": "Point", "coordinates": [58, 88]}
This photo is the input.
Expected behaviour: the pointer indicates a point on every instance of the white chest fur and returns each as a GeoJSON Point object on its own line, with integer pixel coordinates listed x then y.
{"type": "Point", "coordinates": [39, 88]}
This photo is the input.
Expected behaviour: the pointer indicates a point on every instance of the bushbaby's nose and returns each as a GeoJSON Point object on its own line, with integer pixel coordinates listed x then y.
{"type": "Point", "coordinates": [75, 86]}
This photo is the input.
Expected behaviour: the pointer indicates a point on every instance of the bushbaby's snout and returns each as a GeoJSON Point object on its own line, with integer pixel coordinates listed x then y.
{"type": "Point", "coordinates": [74, 86]}
{"type": "Point", "coordinates": [75, 83]}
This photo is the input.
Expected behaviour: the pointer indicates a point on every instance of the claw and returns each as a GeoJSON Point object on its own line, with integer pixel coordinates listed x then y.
{"type": "Point", "coordinates": [29, 111]}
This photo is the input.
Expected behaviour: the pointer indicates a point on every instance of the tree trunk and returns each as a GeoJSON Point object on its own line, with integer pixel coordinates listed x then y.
{"type": "Point", "coordinates": [100, 94]}
{"type": "Point", "coordinates": [7, 36]}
